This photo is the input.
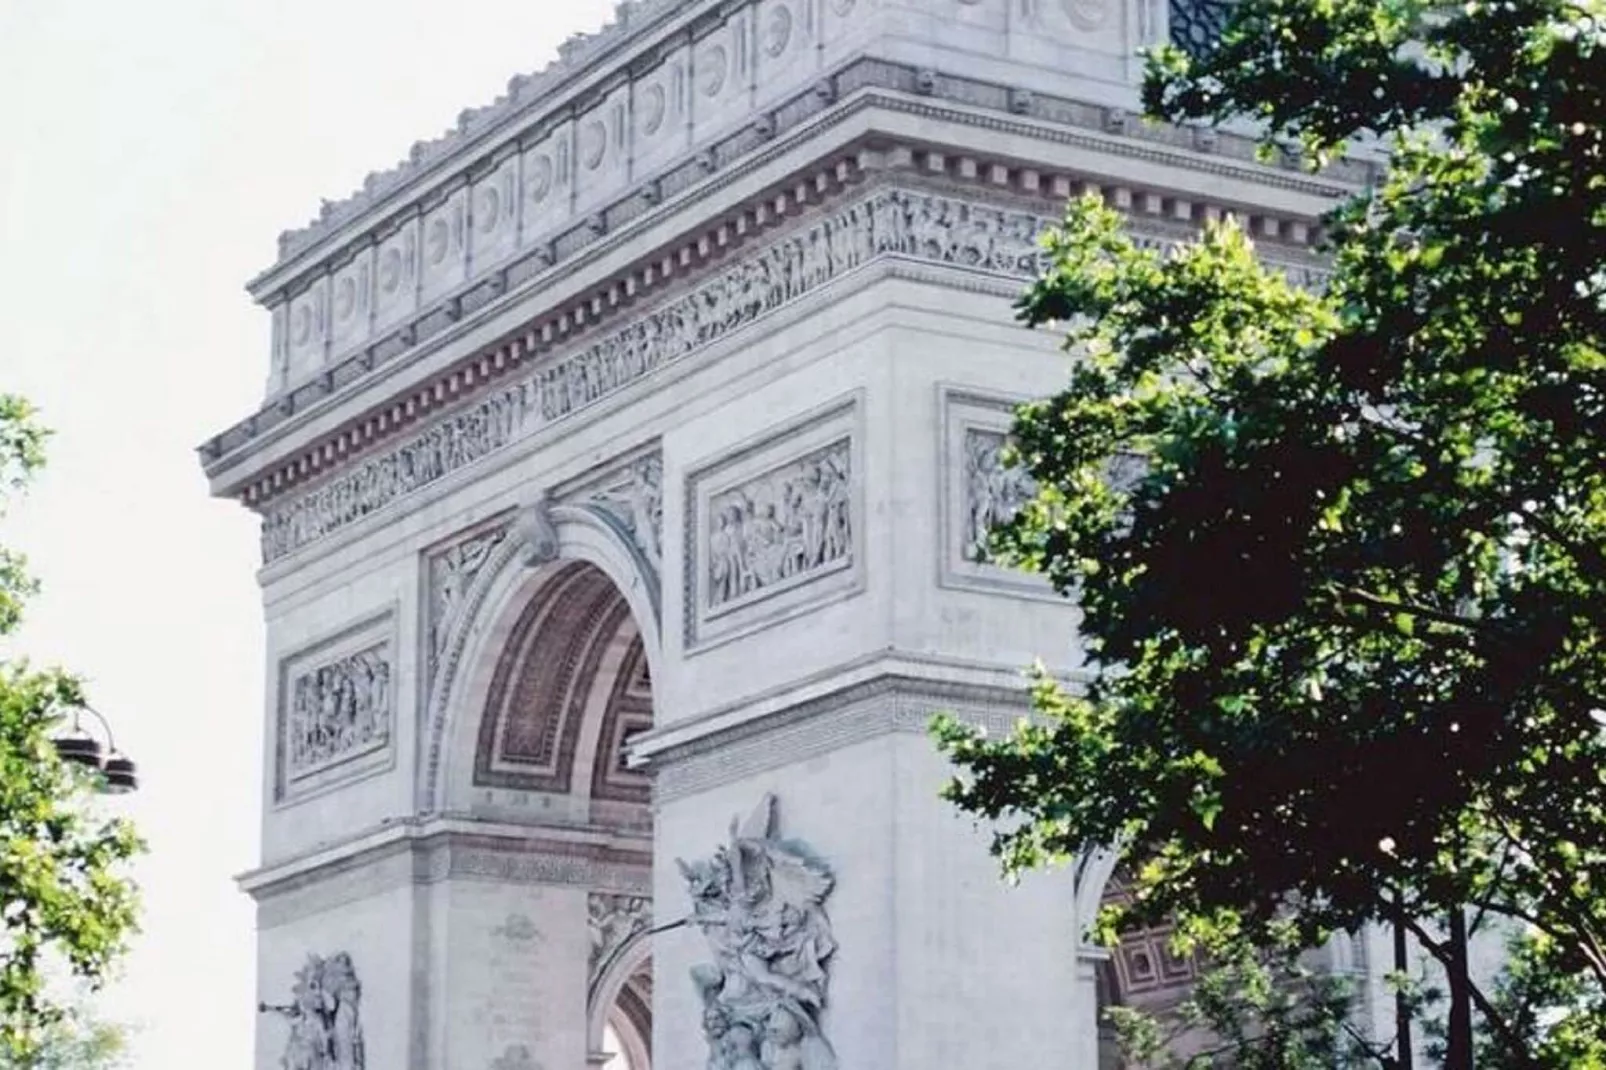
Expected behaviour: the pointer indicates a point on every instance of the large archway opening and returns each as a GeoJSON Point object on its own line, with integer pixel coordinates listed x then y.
{"type": "Point", "coordinates": [563, 686]}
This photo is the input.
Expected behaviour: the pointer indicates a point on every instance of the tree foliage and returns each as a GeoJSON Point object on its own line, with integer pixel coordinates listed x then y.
{"type": "Point", "coordinates": [1346, 614]}
{"type": "Point", "coordinates": [66, 904]}
{"type": "Point", "coordinates": [77, 1040]}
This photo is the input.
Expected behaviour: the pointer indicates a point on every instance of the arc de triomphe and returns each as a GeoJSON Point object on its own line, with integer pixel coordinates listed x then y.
{"type": "Point", "coordinates": [620, 465]}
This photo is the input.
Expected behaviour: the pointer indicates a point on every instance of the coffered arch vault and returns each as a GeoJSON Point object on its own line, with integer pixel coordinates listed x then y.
{"type": "Point", "coordinates": [545, 671]}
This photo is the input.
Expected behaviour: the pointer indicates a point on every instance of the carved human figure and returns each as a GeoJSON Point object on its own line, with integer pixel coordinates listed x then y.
{"type": "Point", "coordinates": [345, 1034]}
{"type": "Point", "coordinates": [994, 491]}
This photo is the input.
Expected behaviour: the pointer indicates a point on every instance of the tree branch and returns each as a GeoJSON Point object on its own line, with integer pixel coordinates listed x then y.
{"type": "Point", "coordinates": [1499, 1025]}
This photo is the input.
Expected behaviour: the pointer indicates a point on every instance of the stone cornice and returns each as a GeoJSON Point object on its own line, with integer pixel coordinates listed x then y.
{"type": "Point", "coordinates": [865, 83]}
{"type": "Point", "coordinates": [441, 846]}
{"type": "Point", "coordinates": [896, 699]}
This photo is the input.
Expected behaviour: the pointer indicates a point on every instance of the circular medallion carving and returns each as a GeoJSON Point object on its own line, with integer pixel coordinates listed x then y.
{"type": "Point", "coordinates": [713, 72]}
{"type": "Point", "coordinates": [488, 213]}
{"type": "Point", "coordinates": [390, 270]}
{"type": "Point", "coordinates": [778, 30]}
{"type": "Point", "coordinates": [303, 325]}
{"type": "Point", "coordinates": [540, 178]}
{"type": "Point", "coordinates": [345, 298]}
{"type": "Point", "coordinates": [652, 109]}
{"type": "Point", "coordinates": [593, 143]}
{"type": "Point", "coordinates": [1086, 14]}
{"type": "Point", "coordinates": [439, 241]}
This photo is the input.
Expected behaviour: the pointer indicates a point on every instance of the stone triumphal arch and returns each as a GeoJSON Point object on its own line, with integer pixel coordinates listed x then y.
{"type": "Point", "coordinates": [621, 465]}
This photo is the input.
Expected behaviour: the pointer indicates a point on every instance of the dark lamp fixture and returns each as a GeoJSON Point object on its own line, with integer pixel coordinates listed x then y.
{"type": "Point", "coordinates": [79, 748]}
{"type": "Point", "coordinates": [121, 777]}
{"type": "Point", "coordinates": [118, 775]}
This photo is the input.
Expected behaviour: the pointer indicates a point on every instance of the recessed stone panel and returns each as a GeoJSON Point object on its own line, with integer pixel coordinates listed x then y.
{"type": "Point", "coordinates": [396, 275]}
{"type": "Point", "coordinates": [602, 150]}
{"type": "Point", "coordinates": [493, 215]}
{"type": "Point", "coordinates": [659, 111]}
{"type": "Point", "coordinates": [308, 330]}
{"type": "Point", "coordinates": [548, 183]}
{"type": "Point", "coordinates": [351, 302]}
{"type": "Point", "coordinates": [980, 490]}
{"type": "Point", "coordinates": [443, 240]}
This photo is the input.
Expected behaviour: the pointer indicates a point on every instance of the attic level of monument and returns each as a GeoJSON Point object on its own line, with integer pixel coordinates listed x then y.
{"type": "Point", "coordinates": [336, 337]}
{"type": "Point", "coordinates": [903, 213]}
{"type": "Point", "coordinates": [575, 316]}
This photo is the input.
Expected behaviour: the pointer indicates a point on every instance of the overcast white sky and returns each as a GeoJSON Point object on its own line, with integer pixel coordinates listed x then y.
{"type": "Point", "coordinates": [150, 153]}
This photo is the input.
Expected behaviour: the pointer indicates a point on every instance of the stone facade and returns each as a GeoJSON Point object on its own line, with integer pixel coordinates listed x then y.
{"type": "Point", "coordinates": [623, 464]}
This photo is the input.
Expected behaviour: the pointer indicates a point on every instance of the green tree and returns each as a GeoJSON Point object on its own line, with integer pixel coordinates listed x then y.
{"type": "Point", "coordinates": [1341, 556]}
{"type": "Point", "coordinates": [67, 907]}
{"type": "Point", "coordinates": [78, 1040]}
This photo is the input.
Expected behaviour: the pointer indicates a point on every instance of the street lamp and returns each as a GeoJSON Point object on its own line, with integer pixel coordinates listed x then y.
{"type": "Point", "coordinates": [78, 746]}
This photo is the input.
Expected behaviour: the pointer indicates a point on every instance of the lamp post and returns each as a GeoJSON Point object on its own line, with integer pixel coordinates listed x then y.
{"type": "Point", "coordinates": [118, 775]}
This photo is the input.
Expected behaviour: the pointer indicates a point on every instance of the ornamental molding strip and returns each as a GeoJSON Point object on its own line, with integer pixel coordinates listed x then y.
{"type": "Point", "coordinates": [352, 279]}
{"type": "Point", "coordinates": [820, 726]}
{"type": "Point", "coordinates": [356, 868]}
{"type": "Point", "coordinates": [336, 710]}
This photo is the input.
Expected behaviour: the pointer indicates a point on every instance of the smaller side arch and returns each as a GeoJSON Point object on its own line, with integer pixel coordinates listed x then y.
{"type": "Point", "coordinates": [633, 959]}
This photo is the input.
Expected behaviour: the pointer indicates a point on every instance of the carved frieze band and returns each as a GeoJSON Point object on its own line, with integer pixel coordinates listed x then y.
{"type": "Point", "coordinates": [336, 709]}
{"type": "Point", "coordinates": [892, 222]}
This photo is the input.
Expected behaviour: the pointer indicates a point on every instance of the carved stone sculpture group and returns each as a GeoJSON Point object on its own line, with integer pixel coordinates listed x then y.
{"type": "Point", "coordinates": [325, 1018]}
{"type": "Point", "coordinates": [759, 900]}
{"type": "Point", "coordinates": [786, 523]}
{"type": "Point", "coordinates": [339, 709]}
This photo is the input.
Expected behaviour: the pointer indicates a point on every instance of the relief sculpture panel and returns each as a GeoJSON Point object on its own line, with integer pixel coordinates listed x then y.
{"type": "Point", "coordinates": [780, 527]}
{"type": "Point", "coordinates": [336, 710]}
{"type": "Point", "coordinates": [994, 490]}
{"type": "Point", "coordinates": [774, 527]}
